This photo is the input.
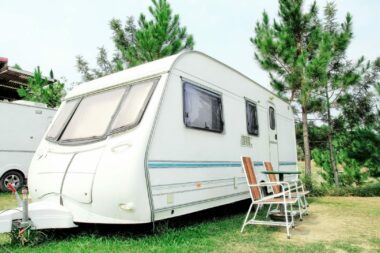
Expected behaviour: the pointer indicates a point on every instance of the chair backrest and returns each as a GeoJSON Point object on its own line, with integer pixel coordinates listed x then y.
{"type": "Point", "coordinates": [251, 177]}
{"type": "Point", "coordinates": [272, 177]}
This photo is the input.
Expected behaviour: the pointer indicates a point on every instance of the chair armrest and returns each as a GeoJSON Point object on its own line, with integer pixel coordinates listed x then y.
{"type": "Point", "coordinates": [282, 183]}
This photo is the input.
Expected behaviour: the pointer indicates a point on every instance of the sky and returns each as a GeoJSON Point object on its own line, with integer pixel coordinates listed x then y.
{"type": "Point", "coordinates": [50, 34]}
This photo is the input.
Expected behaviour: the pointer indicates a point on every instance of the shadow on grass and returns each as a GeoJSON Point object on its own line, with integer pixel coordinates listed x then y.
{"type": "Point", "coordinates": [157, 228]}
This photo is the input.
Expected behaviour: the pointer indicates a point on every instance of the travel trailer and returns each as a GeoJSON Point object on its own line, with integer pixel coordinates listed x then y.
{"type": "Point", "coordinates": [153, 142]}
{"type": "Point", "coordinates": [22, 127]}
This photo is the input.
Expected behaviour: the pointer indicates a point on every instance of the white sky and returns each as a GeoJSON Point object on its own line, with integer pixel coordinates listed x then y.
{"type": "Point", "coordinates": [51, 33]}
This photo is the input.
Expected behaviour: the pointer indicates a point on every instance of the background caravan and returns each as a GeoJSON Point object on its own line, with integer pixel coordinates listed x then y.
{"type": "Point", "coordinates": [157, 141]}
{"type": "Point", "coordinates": [23, 124]}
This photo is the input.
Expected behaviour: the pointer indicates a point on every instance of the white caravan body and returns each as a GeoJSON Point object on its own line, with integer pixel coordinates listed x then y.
{"type": "Point", "coordinates": [174, 152]}
{"type": "Point", "coordinates": [23, 124]}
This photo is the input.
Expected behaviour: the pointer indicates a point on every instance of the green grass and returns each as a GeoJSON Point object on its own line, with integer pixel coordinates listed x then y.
{"type": "Point", "coordinates": [218, 230]}
{"type": "Point", "coordinates": [7, 200]}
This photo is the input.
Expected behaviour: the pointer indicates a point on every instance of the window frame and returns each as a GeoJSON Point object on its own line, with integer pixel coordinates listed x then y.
{"type": "Point", "coordinates": [271, 108]}
{"type": "Point", "coordinates": [64, 125]}
{"type": "Point", "coordinates": [139, 115]}
{"type": "Point", "coordinates": [208, 91]}
{"type": "Point", "coordinates": [109, 131]}
{"type": "Point", "coordinates": [248, 103]}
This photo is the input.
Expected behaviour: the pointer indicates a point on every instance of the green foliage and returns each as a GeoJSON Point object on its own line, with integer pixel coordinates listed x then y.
{"type": "Point", "coordinates": [368, 190]}
{"type": "Point", "coordinates": [357, 153]}
{"type": "Point", "coordinates": [16, 66]}
{"type": "Point", "coordinates": [317, 135]}
{"type": "Point", "coordinates": [362, 145]}
{"type": "Point", "coordinates": [296, 53]}
{"type": "Point", "coordinates": [40, 89]}
{"type": "Point", "coordinates": [162, 36]}
{"type": "Point", "coordinates": [26, 236]}
{"type": "Point", "coordinates": [322, 158]}
{"type": "Point", "coordinates": [300, 153]}
{"type": "Point", "coordinates": [149, 40]}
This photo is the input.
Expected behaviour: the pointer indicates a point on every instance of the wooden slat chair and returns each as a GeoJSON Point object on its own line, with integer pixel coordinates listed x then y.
{"type": "Point", "coordinates": [296, 189]}
{"type": "Point", "coordinates": [281, 198]}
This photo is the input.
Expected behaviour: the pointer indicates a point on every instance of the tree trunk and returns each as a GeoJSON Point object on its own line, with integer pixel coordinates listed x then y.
{"type": "Point", "coordinates": [332, 158]}
{"type": "Point", "coordinates": [306, 144]}
{"type": "Point", "coordinates": [329, 138]}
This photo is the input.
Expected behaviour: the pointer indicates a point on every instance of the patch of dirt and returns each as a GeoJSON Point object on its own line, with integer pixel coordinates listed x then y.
{"type": "Point", "coordinates": [338, 219]}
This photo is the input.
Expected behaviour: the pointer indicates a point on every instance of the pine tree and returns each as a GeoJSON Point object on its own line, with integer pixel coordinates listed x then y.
{"type": "Point", "coordinates": [295, 52]}
{"type": "Point", "coordinates": [162, 36]}
{"type": "Point", "coordinates": [149, 40]}
{"type": "Point", "coordinates": [346, 81]}
{"type": "Point", "coordinates": [340, 74]}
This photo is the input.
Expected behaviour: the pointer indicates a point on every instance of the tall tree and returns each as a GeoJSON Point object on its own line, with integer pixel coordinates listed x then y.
{"type": "Point", "coordinates": [149, 40]}
{"type": "Point", "coordinates": [345, 80]}
{"type": "Point", "coordinates": [295, 52]}
{"type": "Point", "coordinates": [340, 73]}
{"type": "Point", "coordinates": [42, 90]}
{"type": "Point", "coordinates": [159, 37]}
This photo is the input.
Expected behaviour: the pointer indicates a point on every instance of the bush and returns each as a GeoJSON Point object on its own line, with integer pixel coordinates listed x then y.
{"type": "Point", "coordinates": [319, 191]}
{"type": "Point", "coordinates": [369, 190]}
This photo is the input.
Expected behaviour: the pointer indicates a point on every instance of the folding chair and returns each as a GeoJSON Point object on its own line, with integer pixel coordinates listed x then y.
{"type": "Point", "coordinates": [281, 198]}
{"type": "Point", "coordinates": [296, 188]}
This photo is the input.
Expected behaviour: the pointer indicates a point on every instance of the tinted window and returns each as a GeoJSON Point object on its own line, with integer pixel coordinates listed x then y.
{"type": "Point", "coordinates": [202, 108]}
{"type": "Point", "coordinates": [133, 105]}
{"type": "Point", "coordinates": [62, 118]}
{"type": "Point", "coordinates": [252, 122]}
{"type": "Point", "coordinates": [272, 118]}
{"type": "Point", "coordinates": [93, 115]}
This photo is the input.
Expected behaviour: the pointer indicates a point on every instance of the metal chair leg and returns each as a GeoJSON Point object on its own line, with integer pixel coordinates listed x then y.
{"type": "Point", "coordinates": [286, 220]}
{"type": "Point", "coordinates": [246, 217]}
{"type": "Point", "coordinates": [299, 208]}
{"type": "Point", "coordinates": [268, 210]}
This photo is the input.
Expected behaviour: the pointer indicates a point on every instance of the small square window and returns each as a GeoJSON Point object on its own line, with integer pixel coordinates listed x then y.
{"type": "Point", "coordinates": [202, 109]}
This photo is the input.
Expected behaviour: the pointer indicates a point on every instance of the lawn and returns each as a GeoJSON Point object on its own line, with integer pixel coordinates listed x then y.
{"type": "Point", "coordinates": [335, 224]}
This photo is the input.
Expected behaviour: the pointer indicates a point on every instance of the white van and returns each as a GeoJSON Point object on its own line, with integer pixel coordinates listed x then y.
{"type": "Point", "coordinates": [22, 126]}
{"type": "Point", "coordinates": [156, 141]}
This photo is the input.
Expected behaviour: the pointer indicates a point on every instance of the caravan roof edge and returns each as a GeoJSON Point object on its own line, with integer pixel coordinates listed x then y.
{"type": "Point", "coordinates": [153, 68]}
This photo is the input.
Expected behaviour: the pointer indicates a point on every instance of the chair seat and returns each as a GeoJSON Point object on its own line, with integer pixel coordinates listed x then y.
{"type": "Point", "coordinates": [279, 200]}
{"type": "Point", "coordinates": [300, 193]}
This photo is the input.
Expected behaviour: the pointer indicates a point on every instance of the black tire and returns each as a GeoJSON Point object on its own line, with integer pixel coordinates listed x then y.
{"type": "Point", "coordinates": [14, 177]}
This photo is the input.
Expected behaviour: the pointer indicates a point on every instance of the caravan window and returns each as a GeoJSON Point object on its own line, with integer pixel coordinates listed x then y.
{"type": "Point", "coordinates": [93, 115]}
{"type": "Point", "coordinates": [202, 108]}
{"type": "Point", "coordinates": [133, 105]}
{"type": "Point", "coordinates": [272, 118]}
{"type": "Point", "coordinates": [62, 118]}
{"type": "Point", "coordinates": [252, 121]}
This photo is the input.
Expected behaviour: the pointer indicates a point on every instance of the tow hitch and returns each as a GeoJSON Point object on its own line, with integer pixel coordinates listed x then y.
{"type": "Point", "coordinates": [34, 216]}
{"type": "Point", "coordinates": [23, 203]}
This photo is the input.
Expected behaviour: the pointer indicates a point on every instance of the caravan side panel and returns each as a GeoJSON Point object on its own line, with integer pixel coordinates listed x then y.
{"type": "Point", "coordinates": [193, 169]}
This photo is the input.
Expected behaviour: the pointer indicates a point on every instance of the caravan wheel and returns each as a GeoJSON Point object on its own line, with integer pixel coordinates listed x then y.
{"type": "Point", "coordinates": [13, 177]}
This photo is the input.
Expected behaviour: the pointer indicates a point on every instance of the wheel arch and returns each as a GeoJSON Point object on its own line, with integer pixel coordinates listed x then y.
{"type": "Point", "coordinates": [14, 169]}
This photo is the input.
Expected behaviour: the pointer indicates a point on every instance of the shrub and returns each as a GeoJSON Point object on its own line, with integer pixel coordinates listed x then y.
{"type": "Point", "coordinates": [369, 190]}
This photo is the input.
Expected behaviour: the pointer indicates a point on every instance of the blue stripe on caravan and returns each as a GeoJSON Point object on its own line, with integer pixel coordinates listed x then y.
{"type": "Point", "coordinates": [195, 164]}
{"type": "Point", "coordinates": [287, 163]}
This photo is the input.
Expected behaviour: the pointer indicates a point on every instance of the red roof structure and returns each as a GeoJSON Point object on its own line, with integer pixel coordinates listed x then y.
{"type": "Point", "coordinates": [12, 79]}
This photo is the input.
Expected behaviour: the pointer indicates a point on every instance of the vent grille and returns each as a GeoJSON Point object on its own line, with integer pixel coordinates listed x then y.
{"type": "Point", "coordinates": [245, 141]}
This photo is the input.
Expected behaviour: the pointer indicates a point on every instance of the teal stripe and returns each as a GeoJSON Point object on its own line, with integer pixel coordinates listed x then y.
{"type": "Point", "coordinates": [179, 164]}
{"type": "Point", "coordinates": [287, 163]}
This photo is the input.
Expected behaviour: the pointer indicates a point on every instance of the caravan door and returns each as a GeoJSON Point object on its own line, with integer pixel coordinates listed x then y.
{"type": "Point", "coordinates": [272, 130]}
